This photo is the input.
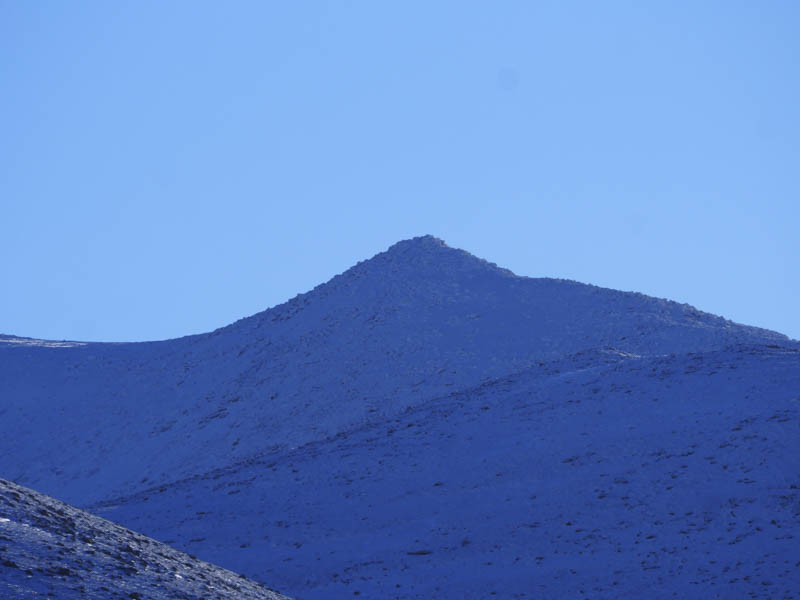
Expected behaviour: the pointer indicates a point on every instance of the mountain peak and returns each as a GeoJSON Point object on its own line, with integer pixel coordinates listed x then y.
{"type": "Point", "coordinates": [431, 254]}
{"type": "Point", "coordinates": [417, 246]}
{"type": "Point", "coordinates": [426, 241]}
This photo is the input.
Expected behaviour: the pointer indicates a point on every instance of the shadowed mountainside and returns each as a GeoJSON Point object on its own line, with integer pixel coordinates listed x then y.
{"type": "Point", "coordinates": [82, 422]}
{"type": "Point", "coordinates": [428, 424]}
{"type": "Point", "coordinates": [599, 474]}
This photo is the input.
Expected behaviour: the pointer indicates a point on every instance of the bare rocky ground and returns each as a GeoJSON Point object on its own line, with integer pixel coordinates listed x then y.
{"type": "Point", "coordinates": [49, 549]}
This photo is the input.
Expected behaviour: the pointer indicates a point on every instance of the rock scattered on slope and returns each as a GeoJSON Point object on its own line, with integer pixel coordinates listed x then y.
{"type": "Point", "coordinates": [51, 549]}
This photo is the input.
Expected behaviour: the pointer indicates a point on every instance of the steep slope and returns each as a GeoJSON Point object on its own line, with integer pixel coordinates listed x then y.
{"type": "Point", "coordinates": [50, 549]}
{"type": "Point", "coordinates": [86, 421]}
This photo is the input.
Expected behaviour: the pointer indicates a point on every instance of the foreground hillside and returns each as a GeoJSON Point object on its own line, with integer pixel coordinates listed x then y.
{"type": "Point", "coordinates": [602, 475]}
{"type": "Point", "coordinates": [51, 550]}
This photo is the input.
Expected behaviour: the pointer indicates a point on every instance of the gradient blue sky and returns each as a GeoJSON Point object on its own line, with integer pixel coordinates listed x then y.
{"type": "Point", "coordinates": [169, 167]}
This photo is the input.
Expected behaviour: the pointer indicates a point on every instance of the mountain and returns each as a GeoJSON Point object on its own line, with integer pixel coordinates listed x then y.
{"type": "Point", "coordinates": [417, 321]}
{"type": "Point", "coordinates": [428, 424]}
{"type": "Point", "coordinates": [50, 549]}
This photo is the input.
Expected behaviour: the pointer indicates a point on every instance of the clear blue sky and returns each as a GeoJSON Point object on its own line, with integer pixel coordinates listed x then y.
{"type": "Point", "coordinates": [169, 167]}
